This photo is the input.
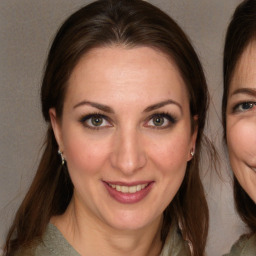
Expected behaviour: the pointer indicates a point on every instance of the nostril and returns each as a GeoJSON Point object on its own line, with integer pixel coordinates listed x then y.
{"type": "Point", "coordinates": [128, 155]}
{"type": "Point", "coordinates": [128, 162]}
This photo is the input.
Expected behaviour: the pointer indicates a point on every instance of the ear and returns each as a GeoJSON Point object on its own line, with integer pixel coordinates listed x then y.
{"type": "Point", "coordinates": [56, 127]}
{"type": "Point", "coordinates": [193, 138]}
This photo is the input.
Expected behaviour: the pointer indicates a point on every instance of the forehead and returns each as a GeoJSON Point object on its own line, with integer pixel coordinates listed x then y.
{"type": "Point", "coordinates": [122, 58]}
{"type": "Point", "coordinates": [245, 70]}
{"type": "Point", "coordinates": [115, 69]}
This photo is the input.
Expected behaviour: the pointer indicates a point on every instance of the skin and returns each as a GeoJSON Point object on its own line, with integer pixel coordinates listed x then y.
{"type": "Point", "coordinates": [127, 147]}
{"type": "Point", "coordinates": [241, 121]}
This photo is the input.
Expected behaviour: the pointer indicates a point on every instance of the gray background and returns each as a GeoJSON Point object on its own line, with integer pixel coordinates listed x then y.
{"type": "Point", "coordinates": [26, 30]}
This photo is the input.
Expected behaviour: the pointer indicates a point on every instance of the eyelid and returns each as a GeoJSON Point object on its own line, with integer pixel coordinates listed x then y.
{"type": "Point", "coordinates": [237, 105]}
{"type": "Point", "coordinates": [85, 118]}
{"type": "Point", "coordinates": [170, 117]}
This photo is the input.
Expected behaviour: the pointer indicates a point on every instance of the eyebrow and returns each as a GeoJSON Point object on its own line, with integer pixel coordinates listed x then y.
{"type": "Point", "coordinates": [248, 91]}
{"type": "Point", "coordinates": [95, 105]}
{"type": "Point", "coordinates": [162, 104]}
{"type": "Point", "coordinates": [108, 109]}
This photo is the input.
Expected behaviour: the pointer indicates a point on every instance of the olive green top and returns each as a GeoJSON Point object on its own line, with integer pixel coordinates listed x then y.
{"type": "Point", "coordinates": [245, 246]}
{"type": "Point", "coordinates": [54, 244]}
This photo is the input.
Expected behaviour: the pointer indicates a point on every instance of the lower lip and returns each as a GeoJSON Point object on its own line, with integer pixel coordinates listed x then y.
{"type": "Point", "coordinates": [128, 198]}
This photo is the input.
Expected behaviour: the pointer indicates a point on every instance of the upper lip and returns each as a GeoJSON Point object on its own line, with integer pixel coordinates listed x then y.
{"type": "Point", "coordinates": [251, 166]}
{"type": "Point", "coordinates": [128, 184]}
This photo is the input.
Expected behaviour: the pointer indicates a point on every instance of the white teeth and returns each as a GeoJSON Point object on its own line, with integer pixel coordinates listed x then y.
{"type": "Point", "coordinates": [132, 189]}
{"type": "Point", "coordinates": [139, 187]}
{"type": "Point", "coordinates": [128, 189]}
{"type": "Point", "coordinates": [124, 189]}
{"type": "Point", "coordinates": [143, 186]}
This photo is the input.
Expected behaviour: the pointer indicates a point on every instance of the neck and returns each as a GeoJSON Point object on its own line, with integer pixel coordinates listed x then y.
{"type": "Point", "coordinates": [90, 236]}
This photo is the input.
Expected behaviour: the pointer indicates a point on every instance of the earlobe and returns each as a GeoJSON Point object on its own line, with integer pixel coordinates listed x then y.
{"type": "Point", "coordinates": [191, 153]}
{"type": "Point", "coordinates": [192, 150]}
{"type": "Point", "coordinates": [56, 127]}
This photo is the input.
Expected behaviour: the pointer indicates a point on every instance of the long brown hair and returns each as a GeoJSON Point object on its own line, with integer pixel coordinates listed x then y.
{"type": "Point", "coordinates": [241, 32]}
{"type": "Point", "coordinates": [130, 23]}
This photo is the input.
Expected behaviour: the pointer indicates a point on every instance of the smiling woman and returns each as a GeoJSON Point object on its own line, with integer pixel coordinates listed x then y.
{"type": "Point", "coordinates": [239, 116]}
{"type": "Point", "coordinates": [126, 143]}
{"type": "Point", "coordinates": [125, 99]}
{"type": "Point", "coordinates": [241, 109]}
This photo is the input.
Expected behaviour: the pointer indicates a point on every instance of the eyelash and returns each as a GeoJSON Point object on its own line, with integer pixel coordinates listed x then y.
{"type": "Point", "coordinates": [236, 107]}
{"type": "Point", "coordinates": [85, 118]}
{"type": "Point", "coordinates": [170, 118]}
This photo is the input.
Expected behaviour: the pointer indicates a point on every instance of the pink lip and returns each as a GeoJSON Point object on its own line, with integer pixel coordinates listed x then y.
{"type": "Point", "coordinates": [120, 183]}
{"type": "Point", "coordinates": [128, 198]}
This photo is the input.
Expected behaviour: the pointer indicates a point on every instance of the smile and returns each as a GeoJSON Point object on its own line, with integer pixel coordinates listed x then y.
{"type": "Point", "coordinates": [128, 189]}
{"type": "Point", "coordinates": [129, 193]}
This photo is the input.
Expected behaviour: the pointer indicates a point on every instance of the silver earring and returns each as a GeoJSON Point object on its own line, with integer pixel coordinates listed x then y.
{"type": "Point", "coordinates": [192, 152]}
{"type": "Point", "coordinates": [62, 157]}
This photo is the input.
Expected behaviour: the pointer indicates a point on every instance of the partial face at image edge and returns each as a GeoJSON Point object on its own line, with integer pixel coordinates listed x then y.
{"type": "Point", "coordinates": [241, 121]}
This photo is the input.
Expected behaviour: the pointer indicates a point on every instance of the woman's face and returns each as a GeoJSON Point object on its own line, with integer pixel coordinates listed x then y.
{"type": "Point", "coordinates": [126, 135]}
{"type": "Point", "coordinates": [241, 121]}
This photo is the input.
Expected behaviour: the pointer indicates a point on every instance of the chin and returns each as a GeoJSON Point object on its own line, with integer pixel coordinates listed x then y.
{"type": "Point", "coordinates": [130, 222]}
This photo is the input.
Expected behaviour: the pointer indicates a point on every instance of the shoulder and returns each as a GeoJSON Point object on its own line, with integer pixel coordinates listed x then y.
{"type": "Point", "coordinates": [245, 246]}
{"type": "Point", "coordinates": [175, 245]}
{"type": "Point", "coordinates": [52, 244]}
{"type": "Point", "coordinates": [35, 249]}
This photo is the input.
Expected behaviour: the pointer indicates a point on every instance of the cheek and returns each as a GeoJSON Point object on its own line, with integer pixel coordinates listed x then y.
{"type": "Point", "coordinates": [84, 155]}
{"type": "Point", "coordinates": [241, 138]}
{"type": "Point", "coordinates": [171, 152]}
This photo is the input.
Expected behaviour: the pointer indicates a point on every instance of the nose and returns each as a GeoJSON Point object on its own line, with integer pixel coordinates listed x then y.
{"type": "Point", "coordinates": [128, 155]}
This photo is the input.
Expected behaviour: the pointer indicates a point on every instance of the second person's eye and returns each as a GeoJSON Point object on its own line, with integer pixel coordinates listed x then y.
{"type": "Point", "coordinates": [244, 106]}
